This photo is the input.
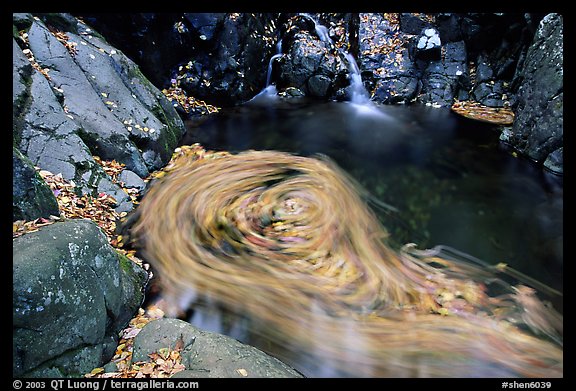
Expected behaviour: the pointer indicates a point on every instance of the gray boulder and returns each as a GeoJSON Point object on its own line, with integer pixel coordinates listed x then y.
{"type": "Point", "coordinates": [538, 126]}
{"type": "Point", "coordinates": [96, 102]}
{"type": "Point", "coordinates": [72, 294]}
{"type": "Point", "coordinates": [31, 196]}
{"type": "Point", "coordinates": [46, 135]}
{"type": "Point", "coordinates": [206, 354]}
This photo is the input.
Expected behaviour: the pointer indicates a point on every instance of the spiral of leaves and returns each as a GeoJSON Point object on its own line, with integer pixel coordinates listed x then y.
{"type": "Point", "coordinates": [290, 241]}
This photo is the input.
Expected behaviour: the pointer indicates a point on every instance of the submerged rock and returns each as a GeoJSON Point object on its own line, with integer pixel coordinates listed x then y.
{"type": "Point", "coordinates": [72, 294]}
{"type": "Point", "coordinates": [207, 354]}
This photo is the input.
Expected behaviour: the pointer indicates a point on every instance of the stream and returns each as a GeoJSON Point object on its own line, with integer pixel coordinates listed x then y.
{"type": "Point", "coordinates": [434, 178]}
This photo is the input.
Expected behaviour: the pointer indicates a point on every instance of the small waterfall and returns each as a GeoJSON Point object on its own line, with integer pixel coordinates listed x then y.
{"type": "Point", "coordinates": [270, 89]}
{"type": "Point", "coordinates": [269, 74]}
{"type": "Point", "coordinates": [358, 93]}
{"type": "Point", "coordinates": [321, 30]}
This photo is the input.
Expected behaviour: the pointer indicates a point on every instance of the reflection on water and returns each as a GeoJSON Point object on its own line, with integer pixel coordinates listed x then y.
{"type": "Point", "coordinates": [282, 251]}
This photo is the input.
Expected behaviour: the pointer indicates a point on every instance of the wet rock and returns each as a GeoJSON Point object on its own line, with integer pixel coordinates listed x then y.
{"type": "Point", "coordinates": [538, 127]}
{"type": "Point", "coordinates": [443, 79]}
{"type": "Point", "coordinates": [207, 354]}
{"type": "Point", "coordinates": [310, 66]}
{"type": "Point", "coordinates": [72, 294]}
{"type": "Point", "coordinates": [400, 89]}
{"type": "Point", "coordinates": [484, 71]}
{"type": "Point", "coordinates": [31, 196]}
{"type": "Point", "coordinates": [489, 93]}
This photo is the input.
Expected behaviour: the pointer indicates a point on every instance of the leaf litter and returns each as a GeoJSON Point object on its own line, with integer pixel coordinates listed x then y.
{"type": "Point", "coordinates": [100, 210]}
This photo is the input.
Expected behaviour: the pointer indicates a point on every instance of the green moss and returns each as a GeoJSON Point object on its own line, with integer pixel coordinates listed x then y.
{"type": "Point", "coordinates": [125, 263]}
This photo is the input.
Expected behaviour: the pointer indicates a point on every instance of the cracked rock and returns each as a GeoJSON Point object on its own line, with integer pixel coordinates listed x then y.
{"type": "Point", "coordinates": [72, 294]}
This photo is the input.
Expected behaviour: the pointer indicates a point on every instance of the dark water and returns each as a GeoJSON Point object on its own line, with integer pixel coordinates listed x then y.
{"type": "Point", "coordinates": [450, 179]}
{"type": "Point", "coordinates": [446, 179]}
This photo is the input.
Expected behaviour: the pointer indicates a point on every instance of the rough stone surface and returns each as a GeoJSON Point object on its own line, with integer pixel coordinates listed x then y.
{"type": "Point", "coordinates": [72, 294]}
{"type": "Point", "coordinates": [31, 196]}
{"type": "Point", "coordinates": [538, 126]}
{"type": "Point", "coordinates": [131, 180]}
{"type": "Point", "coordinates": [95, 102]}
{"type": "Point", "coordinates": [310, 66]}
{"type": "Point", "coordinates": [207, 354]}
{"type": "Point", "coordinates": [48, 137]}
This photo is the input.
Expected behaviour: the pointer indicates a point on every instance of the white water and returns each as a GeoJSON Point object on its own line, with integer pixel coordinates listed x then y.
{"type": "Point", "coordinates": [358, 95]}
{"type": "Point", "coordinates": [269, 74]}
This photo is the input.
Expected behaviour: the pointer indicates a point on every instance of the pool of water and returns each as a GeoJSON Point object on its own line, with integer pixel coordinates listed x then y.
{"type": "Point", "coordinates": [447, 179]}
{"type": "Point", "coordinates": [434, 178]}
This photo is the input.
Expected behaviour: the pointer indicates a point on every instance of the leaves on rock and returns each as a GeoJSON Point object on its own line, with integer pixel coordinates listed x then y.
{"type": "Point", "coordinates": [65, 40]}
{"type": "Point", "coordinates": [189, 104]}
{"type": "Point", "coordinates": [163, 363]}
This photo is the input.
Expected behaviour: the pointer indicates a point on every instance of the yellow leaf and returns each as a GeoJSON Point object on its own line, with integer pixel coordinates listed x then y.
{"type": "Point", "coordinates": [164, 352]}
{"type": "Point", "coordinates": [120, 348]}
{"type": "Point", "coordinates": [96, 371]}
{"type": "Point", "coordinates": [242, 372]}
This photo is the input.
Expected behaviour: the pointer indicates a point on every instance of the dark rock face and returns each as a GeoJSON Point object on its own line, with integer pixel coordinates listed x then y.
{"type": "Point", "coordinates": [390, 71]}
{"type": "Point", "coordinates": [31, 196]}
{"type": "Point", "coordinates": [444, 78]}
{"type": "Point", "coordinates": [95, 102]}
{"type": "Point", "coordinates": [157, 42]}
{"type": "Point", "coordinates": [217, 57]}
{"type": "Point", "coordinates": [436, 58]}
{"type": "Point", "coordinates": [309, 66]}
{"type": "Point", "coordinates": [207, 354]}
{"type": "Point", "coordinates": [230, 59]}
{"type": "Point", "coordinates": [72, 294]}
{"type": "Point", "coordinates": [538, 127]}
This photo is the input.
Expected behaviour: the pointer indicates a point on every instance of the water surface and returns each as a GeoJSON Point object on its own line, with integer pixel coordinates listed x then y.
{"type": "Point", "coordinates": [434, 177]}
{"type": "Point", "coordinates": [449, 179]}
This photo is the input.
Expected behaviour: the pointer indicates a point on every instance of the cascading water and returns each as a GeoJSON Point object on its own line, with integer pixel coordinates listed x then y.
{"type": "Point", "coordinates": [270, 90]}
{"type": "Point", "coordinates": [357, 93]}
{"type": "Point", "coordinates": [271, 62]}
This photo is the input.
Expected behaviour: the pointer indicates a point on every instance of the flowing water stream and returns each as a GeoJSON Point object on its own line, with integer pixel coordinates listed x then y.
{"type": "Point", "coordinates": [448, 179]}
{"type": "Point", "coordinates": [432, 178]}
